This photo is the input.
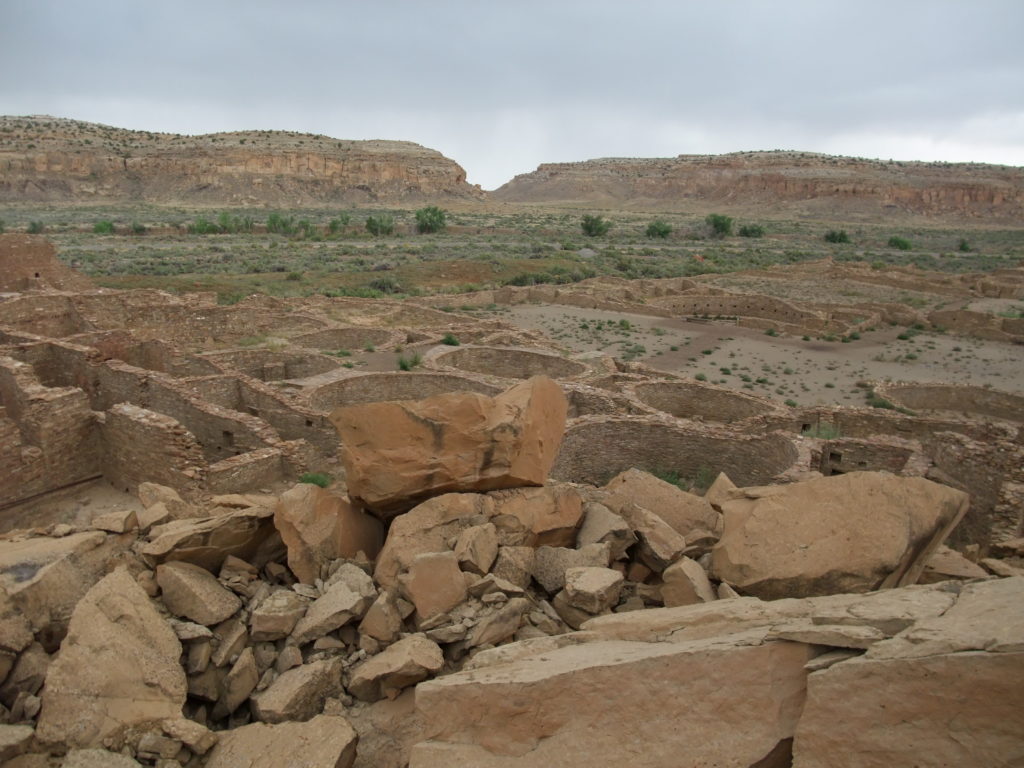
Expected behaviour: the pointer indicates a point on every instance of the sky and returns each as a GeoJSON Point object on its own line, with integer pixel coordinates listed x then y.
{"type": "Point", "coordinates": [501, 87]}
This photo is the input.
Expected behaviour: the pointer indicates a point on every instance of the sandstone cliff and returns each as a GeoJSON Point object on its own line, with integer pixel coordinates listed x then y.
{"type": "Point", "coordinates": [778, 181]}
{"type": "Point", "coordinates": [45, 159]}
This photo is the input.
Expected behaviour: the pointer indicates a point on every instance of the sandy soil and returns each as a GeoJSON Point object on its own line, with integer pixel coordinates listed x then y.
{"type": "Point", "coordinates": [76, 506]}
{"type": "Point", "coordinates": [783, 367]}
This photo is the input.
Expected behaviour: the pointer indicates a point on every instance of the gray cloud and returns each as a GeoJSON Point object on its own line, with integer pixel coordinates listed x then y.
{"type": "Point", "coordinates": [501, 87]}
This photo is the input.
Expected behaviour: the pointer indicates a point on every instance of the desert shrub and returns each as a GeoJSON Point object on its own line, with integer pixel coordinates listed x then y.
{"type": "Point", "coordinates": [203, 226]}
{"type": "Point", "coordinates": [381, 224]}
{"type": "Point", "coordinates": [36, 227]}
{"type": "Point", "coordinates": [138, 228]}
{"type": "Point", "coordinates": [3, 226]}
{"type": "Point", "coordinates": [338, 223]}
{"type": "Point", "coordinates": [103, 228]}
{"type": "Point", "coordinates": [316, 478]}
{"type": "Point", "coordinates": [295, 276]}
{"type": "Point", "coordinates": [963, 245]}
{"type": "Point", "coordinates": [659, 228]}
{"type": "Point", "coordinates": [233, 224]}
{"type": "Point", "coordinates": [408, 363]}
{"type": "Point", "coordinates": [307, 229]}
{"type": "Point", "coordinates": [899, 243]}
{"type": "Point", "coordinates": [751, 230]}
{"type": "Point", "coordinates": [430, 220]}
{"type": "Point", "coordinates": [450, 340]}
{"type": "Point", "coordinates": [280, 225]}
{"type": "Point", "coordinates": [721, 225]}
{"type": "Point", "coordinates": [385, 285]}
{"type": "Point", "coordinates": [837, 236]}
{"type": "Point", "coordinates": [595, 226]}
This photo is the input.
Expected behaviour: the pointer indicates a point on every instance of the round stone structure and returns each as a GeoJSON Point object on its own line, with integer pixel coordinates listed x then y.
{"type": "Point", "coordinates": [508, 362]}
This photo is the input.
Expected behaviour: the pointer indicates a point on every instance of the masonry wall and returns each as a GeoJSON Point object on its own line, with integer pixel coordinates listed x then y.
{"type": "Point", "coordinates": [50, 436]}
{"type": "Point", "coordinates": [376, 387]}
{"type": "Point", "coordinates": [688, 400]}
{"type": "Point", "coordinates": [142, 446]}
{"type": "Point", "coordinates": [595, 449]}
{"type": "Point", "coordinates": [509, 363]}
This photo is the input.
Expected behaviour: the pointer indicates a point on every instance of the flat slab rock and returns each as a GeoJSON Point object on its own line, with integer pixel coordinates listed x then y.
{"type": "Point", "coordinates": [325, 741]}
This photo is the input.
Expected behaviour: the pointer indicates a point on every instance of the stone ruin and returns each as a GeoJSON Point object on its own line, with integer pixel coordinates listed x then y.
{"type": "Point", "coordinates": [504, 584]}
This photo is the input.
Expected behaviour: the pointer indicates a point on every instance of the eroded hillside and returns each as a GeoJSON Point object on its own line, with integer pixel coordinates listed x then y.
{"type": "Point", "coordinates": [794, 182]}
{"type": "Point", "coordinates": [46, 159]}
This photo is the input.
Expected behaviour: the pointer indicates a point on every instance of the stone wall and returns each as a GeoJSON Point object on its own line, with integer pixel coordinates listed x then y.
{"type": "Point", "coordinates": [49, 436]}
{"type": "Point", "coordinates": [273, 365]}
{"type": "Point", "coordinates": [361, 388]}
{"type": "Point", "coordinates": [506, 362]}
{"type": "Point", "coordinates": [595, 449]}
{"type": "Point", "coordinates": [140, 446]}
{"type": "Point", "coordinates": [689, 400]}
{"type": "Point", "coordinates": [972, 401]}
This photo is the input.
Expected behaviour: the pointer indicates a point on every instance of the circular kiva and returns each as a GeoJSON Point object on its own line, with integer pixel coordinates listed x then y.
{"type": "Point", "coordinates": [377, 387]}
{"type": "Point", "coordinates": [509, 363]}
{"type": "Point", "coordinates": [687, 400]}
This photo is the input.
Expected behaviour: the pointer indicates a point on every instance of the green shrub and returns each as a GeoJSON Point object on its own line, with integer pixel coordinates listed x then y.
{"type": "Point", "coordinates": [137, 228]}
{"type": "Point", "coordinates": [203, 226]}
{"type": "Point", "coordinates": [771, 332]}
{"type": "Point", "coordinates": [103, 228]}
{"type": "Point", "coordinates": [790, 403]}
{"type": "Point", "coordinates": [837, 236]}
{"type": "Point", "coordinates": [280, 225]}
{"type": "Point", "coordinates": [595, 226]}
{"type": "Point", "coordinates": [338, 223]}
{"type": "Point", "coordinates": [450, 340]}
{"type": "Point", "coordinates": [408, 363]}
{"type": "Point", "coordinates": [316, 478]}
{"type": "Point", "coordinates": [659, 228]}
{"type": "Point", "coordinates": [385, 285]}
{"type": "Point", "coordinates": [36, 227]}
{"type": "Point", "coordinates": [721, 225]}
{"type": "Point", "coordinates": [380, 225]}
{"type": "Point", "coordinates": [701, 377]}
{"type": "Point", "coordinates": [294, 276]}
{"type": "Point", "coordinates": [3, 226]}
{"type": "Point", "coordinates": [963, 245]}
{"type": "Point", "coordinates": [430, 220]}
{"type": "Point", "coordinates": [751, 230]}
{"type": "Point", "coordinates": [899, 243]}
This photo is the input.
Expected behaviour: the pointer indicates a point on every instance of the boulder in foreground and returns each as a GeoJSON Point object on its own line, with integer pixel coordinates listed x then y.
{"type": "Point", "coordinates": [398, 453]}
{"type": "Point", "coordinates": [845, 533]}
{"type": "Point", "coordinates": [118, 665]}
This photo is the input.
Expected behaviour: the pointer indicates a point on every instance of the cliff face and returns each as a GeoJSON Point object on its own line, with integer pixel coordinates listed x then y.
{"type": "Point", "coordinates": [51, 159]}
{"type": "Point", "coordinates": [783, 181]}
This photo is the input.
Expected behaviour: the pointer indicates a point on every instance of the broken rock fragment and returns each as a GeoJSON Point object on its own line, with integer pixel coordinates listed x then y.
{"type": "Point", "coordinates": [434, 584]}
{"type": "Point", "coordinates": [692, 517]}
{"type": "Point", "coordinates": [325, 740]}
{"type": "Point", "coordinates": [407, 662]}
{"type": "Point", "coordinates": [299, 693]}
{"type": "Point", "coordinates": [193, 593]}
{"type": "Point", "coordinates": [318, 527]}
{"type": "Point", "coordinates": [592, 589]}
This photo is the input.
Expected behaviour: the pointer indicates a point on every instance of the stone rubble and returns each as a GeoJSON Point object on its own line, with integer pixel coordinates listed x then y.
{"type": "Point", "coordinates": [260, 631]}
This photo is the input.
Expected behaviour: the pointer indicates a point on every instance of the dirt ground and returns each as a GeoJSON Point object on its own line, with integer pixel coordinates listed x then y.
{"type": "Point", "coordinates": [784, 367]}
{"type": "Point", "coordinates": [75, 506]}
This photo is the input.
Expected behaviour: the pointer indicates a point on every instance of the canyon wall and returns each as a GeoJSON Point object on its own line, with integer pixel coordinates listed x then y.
{"type": "Point", "coordinates": [45, 159]}
{"type": "Point", "coordinates": [778, 181]}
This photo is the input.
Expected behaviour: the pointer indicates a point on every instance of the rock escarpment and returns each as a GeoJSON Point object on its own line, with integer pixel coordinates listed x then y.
{"type": "Point", "coordinates": [53, 159]}
{"type": "Point", "coordinates": [778, 181]}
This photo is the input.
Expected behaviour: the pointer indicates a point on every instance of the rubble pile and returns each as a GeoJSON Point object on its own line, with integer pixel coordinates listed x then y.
{"type": "Point", "coordinates": [538, 623]}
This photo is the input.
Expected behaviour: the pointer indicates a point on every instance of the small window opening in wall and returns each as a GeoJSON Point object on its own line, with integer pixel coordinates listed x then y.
{"type": "Point", "coordinates": [835, 458]}
{"type": "Point", "coordinates": [862, 463]}
{"type": "Point", "coordinates": [37, 274]}
{"type": "Point", "coordinates": [309, 422]}
{"type": "Point", "coordinates": [229, 437]}
{"type": "Point", "coordinates": [805, 427]}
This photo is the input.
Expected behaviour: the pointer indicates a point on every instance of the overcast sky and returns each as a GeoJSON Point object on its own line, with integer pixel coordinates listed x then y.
{"type": "Point", "coordinates": [503, 86]}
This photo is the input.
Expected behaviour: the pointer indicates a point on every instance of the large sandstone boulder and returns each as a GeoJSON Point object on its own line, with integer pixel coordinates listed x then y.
{"type": "Point", "coordinates": [947, 691]}
{"type": "Point", "coordinates": [44, 578]}
{"type": "Point", "coordinates": [659, 705]}
{"type": "Point", "coordinates": [411, 659]}
{"type": "Point", "coordinates": [398, 453]}
{"type": "Point", "coordinates": [845, 533]}
{"type": "Point", "coordinates": [690, 516]}
{"type": "Point", "coordinates": [119, 665]}
{"type": "Point", "coordinates": [326, 741]}
{"type": "Point", "coordinates": [318, 526]}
